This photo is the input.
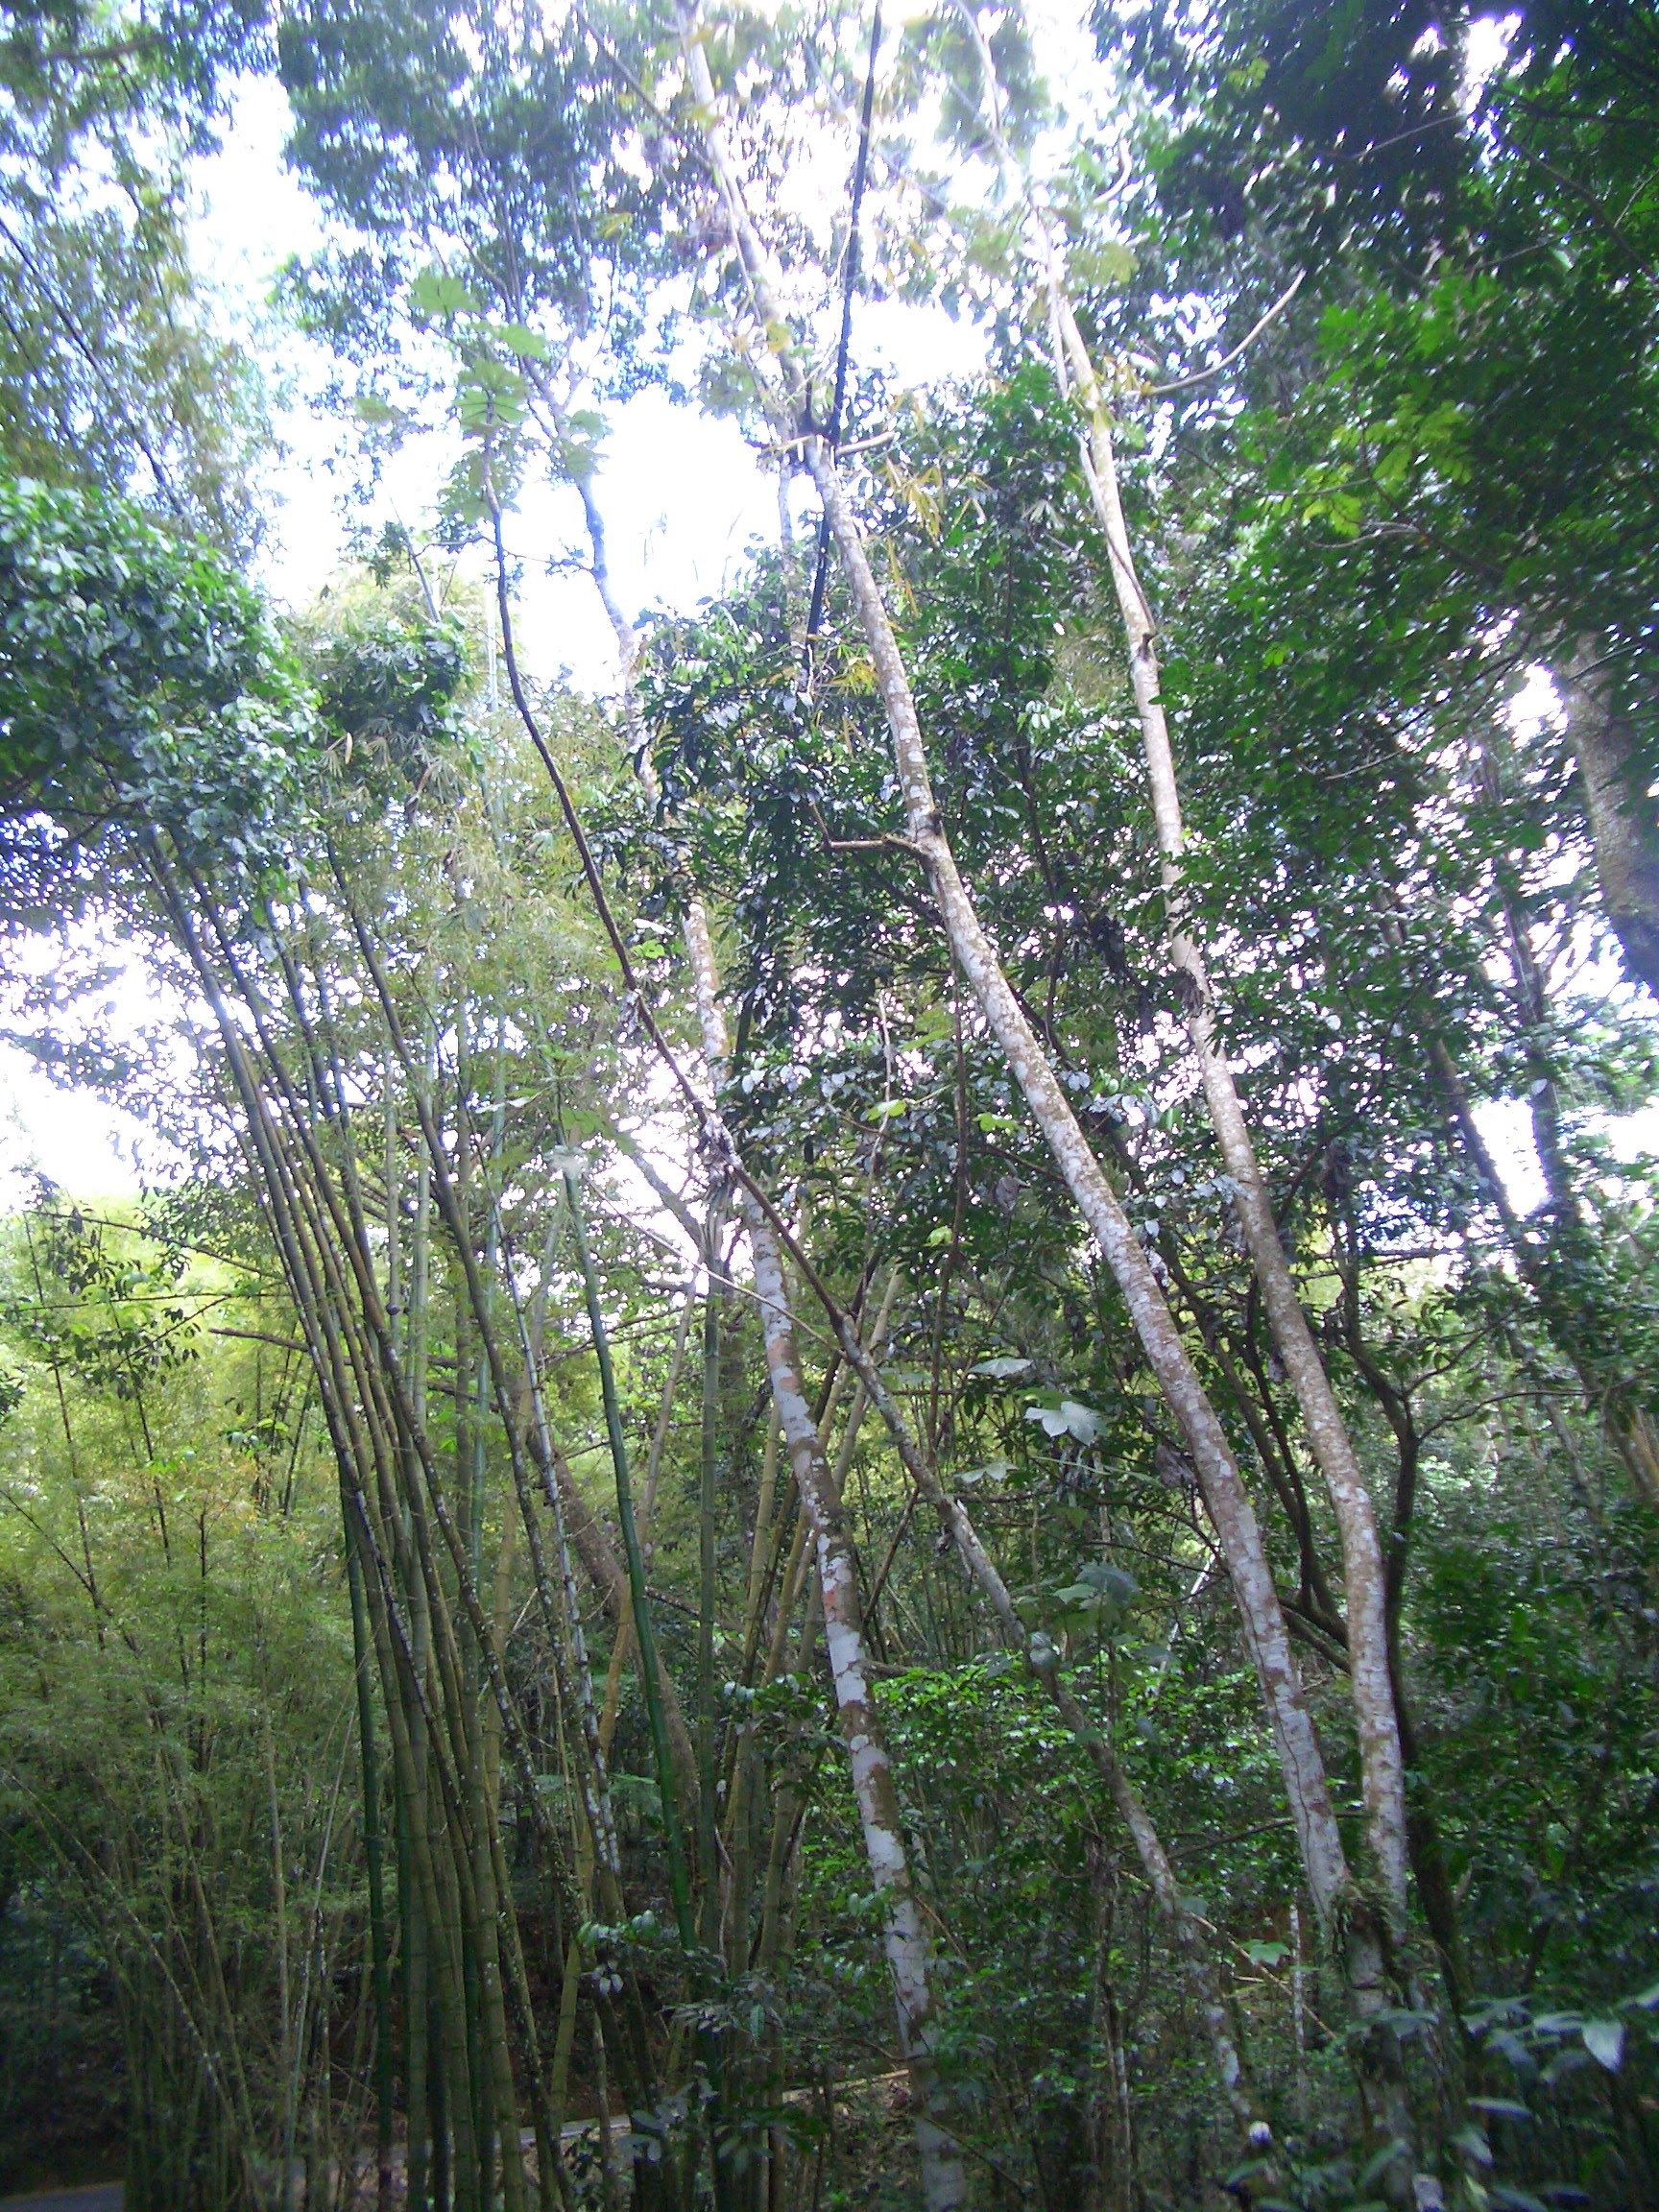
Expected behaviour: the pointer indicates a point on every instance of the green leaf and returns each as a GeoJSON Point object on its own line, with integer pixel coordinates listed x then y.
{"type": "Point", "coordinates": [435, 294]}
{"type": "Point", "coordinates": [1472, 2140]}
{"type": "Point", "coordinates": [378, 413]}
{"type": "Point", "coordinates": [490, 396]}
{"type": "Point", "coordinates": [994, 1471]}
{"type": "Point", "coordinates": [1067, 1419]}
{"type": "Point", "coordinates": [528, 345]}
{"type": "Point", "coordinates": [1104, 267]}
{"type": "Point", "coordinates": [1377, 2166]}
{"type": "Point", "coordinates": [1113, 1583]}
{"type": "Point", "coordinates": [992, 246]}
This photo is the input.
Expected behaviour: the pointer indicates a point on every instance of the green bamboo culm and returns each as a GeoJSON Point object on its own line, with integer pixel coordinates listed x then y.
{"type": "Point", "coordinates": [644, 1632]}
{"type": "Point", "coordinates": [708, 1865]}
{"type": "Point", "coordinates": [374, 1858]}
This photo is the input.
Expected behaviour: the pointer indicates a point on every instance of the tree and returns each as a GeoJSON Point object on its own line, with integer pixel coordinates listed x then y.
{"type": "Point", "coordinates": [143, 683]}
{"type": "Point", "coordinates": [110, 373]}
{"type": "Point", "coordinates": [1476, 333]}
{"type": "Point", "coordinates": [831, 1347]}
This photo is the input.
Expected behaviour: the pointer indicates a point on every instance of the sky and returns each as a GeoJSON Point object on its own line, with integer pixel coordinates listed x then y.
{"type": "Point", "coordinates": [683, 493]}
{"type": "Point", "coordinates": [683, 497]}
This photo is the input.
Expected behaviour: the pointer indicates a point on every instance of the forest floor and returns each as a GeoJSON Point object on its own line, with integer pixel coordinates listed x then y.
{"type": "Point", "coordinates": [101, 2197]}
{"type": "Point", "coordinates": [876, 2103]}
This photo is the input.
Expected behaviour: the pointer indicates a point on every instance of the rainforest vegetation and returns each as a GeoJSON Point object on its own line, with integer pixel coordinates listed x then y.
{"type": "Point", "coordinates": [891, 1435]}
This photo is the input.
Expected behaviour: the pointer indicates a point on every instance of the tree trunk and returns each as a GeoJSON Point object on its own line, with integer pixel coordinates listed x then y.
{"type": "Point", "coordinates": [944, 2183]}
{"type": "Point", "coordinates": [1381, 1766]}
{"type": "Point", "coordinates": [1619, 812]}
{"type": "Point", "coordinates": [1342, 1910]}
{"type": "Point", "coordinates": [1188, 1934]}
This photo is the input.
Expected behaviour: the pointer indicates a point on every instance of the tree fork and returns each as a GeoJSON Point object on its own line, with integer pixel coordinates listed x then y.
{"type": "Point", "coordinates": [1343, 1911]}
{"type": "Point", "coordinates": [943, 2179]}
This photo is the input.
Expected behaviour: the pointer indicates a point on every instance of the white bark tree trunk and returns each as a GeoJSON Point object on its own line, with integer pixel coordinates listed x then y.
{"type": "Point", "coordinates": [1191, 1947]}
{"type": "Point", "coordinates": [1224, 1492]}
{"type": "Point", "coordinates": [1383, 1768]}
{"type": "Point", "coordinates": [909, 1960]}
{"type": "Point", "coordinates": [1381, 1764]}
{"type": "Point", "coordinates": [1225, 1495]}
{"type": "Point", "coordinates": [1344, 1916]}
{"type": "Point", "coordinates": [1622, 823]}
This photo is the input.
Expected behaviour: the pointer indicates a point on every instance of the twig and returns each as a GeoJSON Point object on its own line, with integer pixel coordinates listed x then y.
{"type": "Point", "coordinates": [1203, 375]}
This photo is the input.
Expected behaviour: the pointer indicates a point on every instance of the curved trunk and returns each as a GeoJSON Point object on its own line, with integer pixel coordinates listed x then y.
{"type": "Point", "coordinates": [1188, 1934]}
{"type": "Point", "coordinates": [1340, 1906]}
{"type": "Point", "coordinates": [944, 2182]}
{"type": "Point", "coordinates": [1224, 1492]}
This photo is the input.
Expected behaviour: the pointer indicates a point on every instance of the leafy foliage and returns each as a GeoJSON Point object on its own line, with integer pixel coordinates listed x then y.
{"type": "Point", "coordinates": [1415, 499]}
{"type": "Point", "coordinates": [142, 685]}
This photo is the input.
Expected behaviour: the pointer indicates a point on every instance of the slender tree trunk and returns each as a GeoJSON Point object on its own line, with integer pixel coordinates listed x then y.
{"type": "Point", "coordinates": [379, 1946]}
{"type": "Point", "coordinates": [1381, 1766]}
{"type": "Point", "coordinates": [740, 1812]}
{"type": "Point", "coordinates": [944, 2183]}
{"type": "Point", "coordinates": [610, 1579]}
{"type": "Point", "coordinates": [1192, 1950]}
{"type": "Point", "coordinates": [1625, 1422]}
{"type": "Point", "coordinates": [1224, 1490]}
{"type": "Point", "coordinates": [1617, 807]}
{"type": "Point", "coordinates": [1342, 1910]}
{"type": "Point", "coordinates": [316, 1209]}
{"type": "Point", "coordinates": [707, 1505]}
{"type": "Point", "coordinates": [645, 1629]}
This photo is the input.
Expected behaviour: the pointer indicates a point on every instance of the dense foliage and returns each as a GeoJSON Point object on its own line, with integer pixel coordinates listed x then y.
{"type": "Point", "coordinates": [893, 1438]}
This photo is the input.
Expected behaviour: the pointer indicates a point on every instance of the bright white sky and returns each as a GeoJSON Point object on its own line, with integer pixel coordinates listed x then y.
{"type": "Point", "coordinates": [683, 496]}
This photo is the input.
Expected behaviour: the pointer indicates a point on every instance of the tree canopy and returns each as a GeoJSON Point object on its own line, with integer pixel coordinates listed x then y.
{"type": "Point", "coordinates": [891, 1437]}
